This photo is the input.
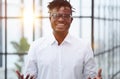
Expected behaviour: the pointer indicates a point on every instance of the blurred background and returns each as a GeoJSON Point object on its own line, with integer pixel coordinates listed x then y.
{"type": "Point", "coordinates": [23, 21]}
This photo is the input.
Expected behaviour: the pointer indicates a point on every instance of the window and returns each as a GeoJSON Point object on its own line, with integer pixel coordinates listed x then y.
{"type": "Point", "coordinates": [27, 20]}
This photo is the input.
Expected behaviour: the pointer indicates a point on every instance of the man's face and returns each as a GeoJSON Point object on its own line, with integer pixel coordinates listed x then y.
{"type": "Point", "coordinates": [61, 19]}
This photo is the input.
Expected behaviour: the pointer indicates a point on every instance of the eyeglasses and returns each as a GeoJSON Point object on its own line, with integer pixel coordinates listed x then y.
{"type": "Point", "coordinates": [58, 15]}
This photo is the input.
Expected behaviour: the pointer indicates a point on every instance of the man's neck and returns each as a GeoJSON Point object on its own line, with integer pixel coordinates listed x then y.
{"type": "Point", "coordinates": [60, 37]}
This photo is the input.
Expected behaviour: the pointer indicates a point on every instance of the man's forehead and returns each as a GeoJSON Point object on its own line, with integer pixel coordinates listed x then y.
{"type": "Point", "coordinates": [62, 9]}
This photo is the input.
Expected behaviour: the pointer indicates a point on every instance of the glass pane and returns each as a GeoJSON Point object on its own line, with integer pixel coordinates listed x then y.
{"type": "Point", "coordinates": [1, 45]}
{"type": "Point", "coordinates": [2, 36]}
{"type": "Point", "coordinates": [39, 27]}
{"type": "Point", "coordinates": [86, 7]}
{"type": "Point", "coordinates": [14, 62]}
{"type": "Point", "coordinates": [28, 28]}
{"type": "Point", "coordinates": [100, 35]}
{"type": "Point", "coordinates": [86, 28]}
{"type": "Point", "coordinates": [14, 8]}
{"type": "Point", "coordinates": [44, 7]}
{"type": "Point", "coordinates": [46, 26]}
{"type": "Point", "coordinates": [2, 8]}
{"type": "Point", "coordinates": [75, 28]}
{"type": "Point", "coordinates": [14, 34]}
{"type": "Point", "coordinates": [1, 60]}
{"type": "Point", "coordinates": [2, 67]}
{"type": "Point", "coordinates": [77, 7]}
{"type": "Point", "coordinates": [38, 7]}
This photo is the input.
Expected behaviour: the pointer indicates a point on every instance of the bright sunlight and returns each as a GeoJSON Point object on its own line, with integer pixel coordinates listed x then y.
{"type": "Point", "coordinates": [28, 17]}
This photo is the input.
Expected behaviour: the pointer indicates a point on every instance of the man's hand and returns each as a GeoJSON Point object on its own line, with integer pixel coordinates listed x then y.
{"type": "Point", "coordinates": [99, 76]}
{"type": "Point", "coordinates": [20, 76]}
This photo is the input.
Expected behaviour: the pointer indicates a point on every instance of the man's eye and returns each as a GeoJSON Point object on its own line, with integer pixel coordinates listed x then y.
{"type": "Point", "coordinates": [67, 16]}
{"type": "Point", "coordinates": [54, 15]}
{"type": "Point", "coordinates": [64, 16]}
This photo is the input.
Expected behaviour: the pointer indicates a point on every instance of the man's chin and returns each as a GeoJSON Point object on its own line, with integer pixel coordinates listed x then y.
{"type": "Point", "coordinates": [59, 31]}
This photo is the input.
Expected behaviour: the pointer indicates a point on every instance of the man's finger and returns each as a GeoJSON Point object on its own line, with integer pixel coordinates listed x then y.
{"type": "Point", "coordinates": [22, 76]}
{"type": "Point", "coordinates": [27, 76]}
{"type": "Point", "coordinates": [18, 73]}
{"type": "Point", "coordinates": [32, 77]}
{"type": "Point", "coordinates": [89, 78]}
{"type": "Point", "coordinates": [99, 72]}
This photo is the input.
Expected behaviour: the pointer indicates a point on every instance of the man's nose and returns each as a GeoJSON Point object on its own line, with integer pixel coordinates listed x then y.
{"type": "Point", "coordinates": [61, 18]}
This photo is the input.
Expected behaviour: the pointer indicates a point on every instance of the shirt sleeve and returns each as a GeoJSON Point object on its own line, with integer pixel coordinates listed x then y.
{"type": "Point", "coordinates": [31, 62]}
{"type": "Point", "coordinates": [89, 63]}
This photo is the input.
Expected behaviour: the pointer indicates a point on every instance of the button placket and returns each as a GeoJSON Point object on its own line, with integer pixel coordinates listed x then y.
{"type": "Point", "coordinates": [60, 61]}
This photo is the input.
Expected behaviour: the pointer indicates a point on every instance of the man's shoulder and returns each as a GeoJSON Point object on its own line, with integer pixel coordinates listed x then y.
{"type": "Point", "coordinates": [80, 41]}
{"type": "Point", "coordinates": [40, 40]}
{"type": "Point", "coordinates": [39, 43]}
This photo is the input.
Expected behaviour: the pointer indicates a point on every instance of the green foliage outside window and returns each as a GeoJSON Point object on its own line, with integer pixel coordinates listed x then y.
{"type": "Point", "coordinates": [21, 47]}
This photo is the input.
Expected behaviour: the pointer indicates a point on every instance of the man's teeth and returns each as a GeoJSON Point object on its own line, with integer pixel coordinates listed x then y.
{"type": "Point", "coordinates": [60, 24]}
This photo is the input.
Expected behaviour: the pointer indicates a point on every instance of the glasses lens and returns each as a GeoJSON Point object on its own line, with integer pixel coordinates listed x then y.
{"type": "Point", "coordinates": [58, 15]}
{"type": "Point", "coordinates": [66, 16]}
{"type": "Point", "coordinates": [54, 15]}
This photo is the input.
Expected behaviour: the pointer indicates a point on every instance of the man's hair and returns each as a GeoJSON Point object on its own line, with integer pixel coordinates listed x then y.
{"type": "Point", "coordinates": [59, 3]}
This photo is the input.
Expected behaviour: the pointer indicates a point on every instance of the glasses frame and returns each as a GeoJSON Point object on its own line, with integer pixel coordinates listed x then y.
{"type": "Point", "coordinates": [60, 15]}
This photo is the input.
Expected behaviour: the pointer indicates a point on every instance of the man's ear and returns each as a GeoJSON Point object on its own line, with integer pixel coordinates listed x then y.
{"type": "Point", "coordinates": [71, 19]}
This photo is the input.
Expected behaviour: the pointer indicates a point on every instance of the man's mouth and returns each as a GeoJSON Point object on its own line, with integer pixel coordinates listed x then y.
{"type": "Point", "coordinates": [60, 24]}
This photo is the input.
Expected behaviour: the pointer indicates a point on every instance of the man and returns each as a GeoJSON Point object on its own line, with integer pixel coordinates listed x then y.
{"type": "Point", "coordinates": [60, 56]}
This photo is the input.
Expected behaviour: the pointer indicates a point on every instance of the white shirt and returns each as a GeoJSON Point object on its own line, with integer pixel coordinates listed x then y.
{"type": "Point", "coordinates": [72, 59]}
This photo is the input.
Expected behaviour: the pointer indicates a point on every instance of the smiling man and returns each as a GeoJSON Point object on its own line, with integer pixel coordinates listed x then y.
{"type": "Point", "coordinates": [60, 18]}
{"type": "Point", "coordinates": [61, 56]}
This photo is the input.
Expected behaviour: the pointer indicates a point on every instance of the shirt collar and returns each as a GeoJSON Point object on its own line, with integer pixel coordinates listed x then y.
{"type": "Point", "coordinates": [68, 38]}
{"type": "Point", "coordinates": [53, 40]}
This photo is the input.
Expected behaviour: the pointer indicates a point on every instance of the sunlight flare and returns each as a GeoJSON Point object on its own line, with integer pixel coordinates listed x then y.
{"type": "Point", "coordinates": [28, 17]}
